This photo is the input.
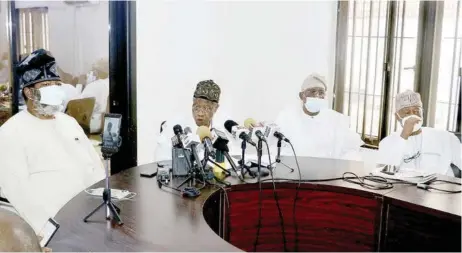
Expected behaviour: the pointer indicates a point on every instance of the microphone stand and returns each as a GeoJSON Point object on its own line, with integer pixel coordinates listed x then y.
{"type": "Point", "coordinates": [204, 164]}
{"type": "Point", "coordinates": [192, 173]}
{"type": "Point", "coordinates": [278, 158]}
{"type": "Point", "coordinates": [244, 168]}
{"type": "Point", "coordinates": [111, 208]}
{"type": "Point", "coordinates": [259, 155]}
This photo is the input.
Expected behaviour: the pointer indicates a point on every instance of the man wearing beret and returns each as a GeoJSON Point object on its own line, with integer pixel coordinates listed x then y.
{"type": "Point", "coordinates": [314, 129]}
{"type": "Point", "coordinates": [416, 148]}
{"type": "Point", "coordinates": [46, 158]}
{"type": "Point", "coordinates": [205, 105]}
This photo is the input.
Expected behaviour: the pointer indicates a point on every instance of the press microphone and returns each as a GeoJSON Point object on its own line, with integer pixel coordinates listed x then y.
{"type": "Point", "coordinates": [191, 141]}
{"type": "Point", "coordinates": [219, 140]}
{"type": "Point", "coordinates": [176, 140]}
{"type": "Point", "coordinates": [280, 136]}
{"type": "Point", "coordinates": [205, 137]}
{"type": "Point", "coordinates": [257, 129]}
{"type": "Point", "coordinates": [273, 130]}
{"type": "Point", "coordinates": [238, 132]}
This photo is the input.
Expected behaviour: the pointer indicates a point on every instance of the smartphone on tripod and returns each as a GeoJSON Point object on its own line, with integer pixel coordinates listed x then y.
{"type": "Point", "coordinates": [111, 135]}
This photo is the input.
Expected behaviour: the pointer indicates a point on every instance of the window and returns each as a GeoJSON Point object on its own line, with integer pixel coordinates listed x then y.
{"type": "Point", "coordinates": [34, 33]}
{"type": "Point", "coordinates": [377, 31]}
{"type": "Point", "coordinates": [449, 74]}
{"type": "Point", "coordinates": [383, 49]}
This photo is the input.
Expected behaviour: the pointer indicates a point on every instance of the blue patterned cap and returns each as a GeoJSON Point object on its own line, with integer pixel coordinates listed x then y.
{"type": "Point", "coordinates": [37, 67]}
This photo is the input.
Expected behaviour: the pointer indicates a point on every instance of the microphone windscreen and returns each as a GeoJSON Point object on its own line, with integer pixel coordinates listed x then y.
{"type": "Point", "coordinates": [203, 132]}
{"type": "Point", "coordinates": [249, 123]}
{"type": "Point", "coordinates": [177, 129]}
{"type": "Point", "coordinates": [229, 125]}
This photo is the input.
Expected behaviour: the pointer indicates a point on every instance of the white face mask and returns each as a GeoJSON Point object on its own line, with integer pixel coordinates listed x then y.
{"type": "Point", "coordinates": [49, 100]}
{"type": "Point", "coordinates": [417, 126]}
{"type": "Point", "coordinates": [316, 104]}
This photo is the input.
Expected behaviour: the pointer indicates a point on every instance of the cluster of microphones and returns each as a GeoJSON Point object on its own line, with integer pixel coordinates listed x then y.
{"type": "Point", "coordinates": [215, 140]}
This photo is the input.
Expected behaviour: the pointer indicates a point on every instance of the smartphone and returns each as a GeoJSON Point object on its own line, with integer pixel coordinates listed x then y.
{"type": "Point", "coordinates": [48, 231]}
{"type": "Point", "coordinates": [111, 132]}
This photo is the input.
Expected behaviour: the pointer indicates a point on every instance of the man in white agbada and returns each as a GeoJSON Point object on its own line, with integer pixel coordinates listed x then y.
{"type": "Point", "coordinates": [204, 108]}
{"type": "Point", "coordinates": [314, 129]}
{"type": "Point", "coordinates": [46, 158]}
{"type": "Point", "coordinates": [414, 147]}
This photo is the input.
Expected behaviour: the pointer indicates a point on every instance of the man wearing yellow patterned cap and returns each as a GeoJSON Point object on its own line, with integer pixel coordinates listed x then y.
{"type": "Point", "coordinates": [413, 147]}
{"type": "Point", "coordinates": [314, 129]}
{"type": "Point", "coordinates": [205, 105]}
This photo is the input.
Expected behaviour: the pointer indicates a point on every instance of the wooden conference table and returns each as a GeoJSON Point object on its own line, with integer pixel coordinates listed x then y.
{"type": "Point", "coordinates": [330, 216]}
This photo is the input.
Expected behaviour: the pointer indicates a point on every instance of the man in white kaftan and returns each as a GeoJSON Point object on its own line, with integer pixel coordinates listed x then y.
{"type": "Point", "coordinates": [314, 129]}
{"type": "Point", "coordinates": [414, 147]}
{"type": "Point", "coordinates": [46, 158]}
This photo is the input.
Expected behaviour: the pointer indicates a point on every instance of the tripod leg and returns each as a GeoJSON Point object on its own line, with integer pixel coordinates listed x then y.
{"type": "Point", "coordinates": [92, 212]}
{"type": "Point", "coordinates": [116, 208]}
{"type": "Point", "coordinates": [185, 181]}
{"type": "Point", "coordinates": [114, 213]}
{"type": "Point", "coordinates": [291, 169]}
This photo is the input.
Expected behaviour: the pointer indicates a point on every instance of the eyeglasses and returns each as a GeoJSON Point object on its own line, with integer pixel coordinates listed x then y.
{"type": "Point", "coordinates": [409, 159]}
{"type": "Point", "coordinates": [314, 92]}
{"type": "Point", "coordinates": [203, 108]}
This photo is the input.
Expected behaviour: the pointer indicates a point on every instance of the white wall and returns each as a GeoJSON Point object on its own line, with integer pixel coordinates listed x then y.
{"type": "Point", "coordinates": [79, 35]}
{"type": "Point", "coordinates": [258, 52]}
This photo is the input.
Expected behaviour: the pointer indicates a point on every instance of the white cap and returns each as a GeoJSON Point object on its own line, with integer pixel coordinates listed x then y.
{"type": "Point", "coordinates": [314, 81]}
{"type": "Point", "coordinates": [407, 98]}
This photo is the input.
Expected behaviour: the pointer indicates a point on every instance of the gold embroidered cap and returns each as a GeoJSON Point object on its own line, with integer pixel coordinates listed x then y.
{"type": "Point", "coordinates": [208, 90]}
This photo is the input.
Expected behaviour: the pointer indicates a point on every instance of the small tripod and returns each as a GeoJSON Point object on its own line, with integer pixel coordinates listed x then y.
{"type": "Point", "coordinates": [278, 158]}
{"type": "Point", "coordinates": [204, 165]}
{"type": "Point", "coordinates": [244, 168]}
{"type": "Point", "coordinates": [111, 208]}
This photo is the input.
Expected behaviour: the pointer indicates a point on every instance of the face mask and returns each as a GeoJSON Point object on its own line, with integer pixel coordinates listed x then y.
{"type": "Point", "coordinates": [417, 126]}
{"type": "Point", "coordinates": [315, 104]}
{"type": "Point", "coordinates": [49, 100]}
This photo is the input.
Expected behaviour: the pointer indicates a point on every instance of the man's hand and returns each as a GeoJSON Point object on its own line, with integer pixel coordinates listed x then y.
{"type": "Point", "coordinates": [408, 127]}
{"type": "Point", "coordinates": [44, 249]}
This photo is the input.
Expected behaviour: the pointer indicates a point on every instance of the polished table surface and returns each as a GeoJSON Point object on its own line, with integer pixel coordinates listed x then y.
{"type": "Point", "coordinates": [160, 220]}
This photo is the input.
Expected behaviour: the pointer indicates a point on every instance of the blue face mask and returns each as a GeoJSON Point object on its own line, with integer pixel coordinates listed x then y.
{"type": "Point", "coordinates": [315, 104]}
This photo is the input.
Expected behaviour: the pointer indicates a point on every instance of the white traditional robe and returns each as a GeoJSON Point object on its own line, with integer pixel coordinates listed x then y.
{"type": "Point", "coordinates": [45, 163]}
{"type": "Point", "coordinates": [325, 135]}
{"type": "Point", "coordinates": [437, 148]}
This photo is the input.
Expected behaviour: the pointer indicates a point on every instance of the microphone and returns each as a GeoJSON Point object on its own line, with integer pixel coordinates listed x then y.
{"type": "Point", "coordinates": [280, 136]}
{"type": "Point", "coordinates": [219, 140]}
{"type": "Point", "coordinates": [273, 130]}
{"type": "Point", "coordinates": [238, 132]}
{"type": "Point", "coordinates": [257, 129]}
{"type": "Point", "coordinates": [205, 137]}
{"type": "Point", "coordinates": [177, 129]}
{"type": "Point", "coordinates": [191, 141]}
{"type": "Point", "coordinates": [176, 140]}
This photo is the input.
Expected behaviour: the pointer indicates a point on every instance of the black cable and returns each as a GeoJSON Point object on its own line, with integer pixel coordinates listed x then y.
{"type": "Point", "coordinates": [281, 216]}
{"type": "Point", "coordinates": [259, 216]}
{"type": "Point", "coordinates": [295, 199]}
{"type": "Point", "coordinates": [381, 182]}
{"type": "Point", "coordinates": [429, 187]}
